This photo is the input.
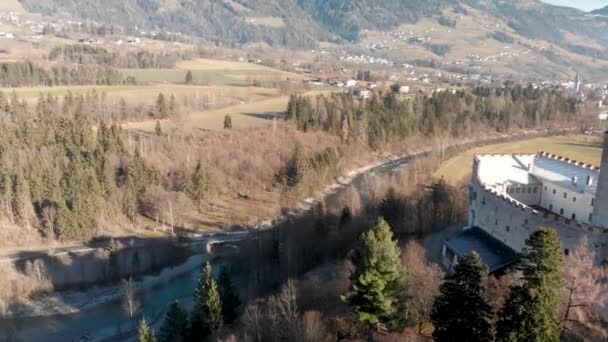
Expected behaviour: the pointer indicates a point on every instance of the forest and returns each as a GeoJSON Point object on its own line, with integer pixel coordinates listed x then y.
{"type": "Point", "coordinates": [65, 171]}
{"type": "Point", "coordinates": [142, 59]}
{"type": "Point", "coordinates": [29, 74]}
{"type": "Point", "coordinates": [450, 113]}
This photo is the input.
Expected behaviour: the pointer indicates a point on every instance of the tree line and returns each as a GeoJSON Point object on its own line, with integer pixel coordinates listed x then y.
{"type": "Point", "coordinates": [380, 120]}
{"type": "Point", "coordinates": [28, 74]}
{"type": "Point", "coordinates": [141, 59]}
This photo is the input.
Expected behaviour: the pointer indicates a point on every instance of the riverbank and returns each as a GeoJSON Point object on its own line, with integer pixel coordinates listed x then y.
{"type": "Point", "coordinates": [74, 301]}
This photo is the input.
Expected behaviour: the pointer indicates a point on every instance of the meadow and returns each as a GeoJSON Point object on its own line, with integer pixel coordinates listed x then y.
{"type": "Point", "coordinates": [583, 148]}
{"type": "Point", "coordinates": [213, 72]}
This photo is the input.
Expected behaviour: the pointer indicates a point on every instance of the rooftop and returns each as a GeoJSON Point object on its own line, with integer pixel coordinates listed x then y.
{"type": "Point", "coordinates": [493, 252]}
{"type": "Point", "coordinates": [525, 169]}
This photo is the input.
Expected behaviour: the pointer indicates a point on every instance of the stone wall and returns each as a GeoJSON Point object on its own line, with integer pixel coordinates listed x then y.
{"type": "Point", "coordinates": [103, 265]}
{"type": "Point", "coordinates": [512, 222]}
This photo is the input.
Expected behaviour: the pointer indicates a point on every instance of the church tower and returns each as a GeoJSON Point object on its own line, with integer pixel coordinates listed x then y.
{"type": "Point", "coordinates": [600, 206]}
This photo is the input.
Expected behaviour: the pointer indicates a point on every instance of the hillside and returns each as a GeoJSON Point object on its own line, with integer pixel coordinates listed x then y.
{"type": "Point", "coordinates": [602, 11]}
{"type": "Point", "coordinates": [555, 36]}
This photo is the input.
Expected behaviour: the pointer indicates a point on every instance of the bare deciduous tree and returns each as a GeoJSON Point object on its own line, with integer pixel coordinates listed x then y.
{"type": "Point", "coordinates": [584, 284]}
{"type": "Point", "coordinates": [253, 319]}
{"type": "Point", "coordinates": [424, 279]}
{"type": "Point", "coordinates": [130, 303]}
{"type": "Point", "coordinates": [313, 328]}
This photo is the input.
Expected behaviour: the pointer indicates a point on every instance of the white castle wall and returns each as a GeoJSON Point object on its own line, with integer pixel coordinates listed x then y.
{"type": "Point", "coordinates": [512, 222]}
{"type": "Point", "coordinates": [573, 203]}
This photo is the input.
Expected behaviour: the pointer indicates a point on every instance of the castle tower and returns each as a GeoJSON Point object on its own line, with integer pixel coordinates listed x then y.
{"type": "Point", "coordinates": [600, 207]}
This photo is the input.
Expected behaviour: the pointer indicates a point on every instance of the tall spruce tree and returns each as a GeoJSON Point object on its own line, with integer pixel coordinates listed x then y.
{"type": "Point", "coordinates": [145, 332]}
{"type": "Point", "coordinates": [207, 313]}
{"type": "Point", "coordinates": [229, 295]}
{"type": "Point", "coordinates": [175, 324]}
{"type": "Point", "coordinates": [532, 310]}
{"type": "Point", "coordinates": [461, 313]}
{"type": "Point", "coordinates": [378, 282]}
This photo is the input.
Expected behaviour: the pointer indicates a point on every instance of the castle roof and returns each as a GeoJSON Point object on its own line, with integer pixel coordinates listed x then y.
{"type": "Point", "coordinates": [492, 251]}
{"type": "Point", "coordinates": [527, 169]}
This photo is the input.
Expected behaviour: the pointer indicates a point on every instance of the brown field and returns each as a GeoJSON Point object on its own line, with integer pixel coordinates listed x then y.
{"type": "Point", "coordinates": [11, 6]}
{"type": "Point", "coordinates": [243, 115]}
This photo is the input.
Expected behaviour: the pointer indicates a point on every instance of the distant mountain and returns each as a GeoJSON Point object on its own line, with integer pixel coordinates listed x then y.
{"type": "Point", "coordinates": [305, 23]}
{"type": "Point", "coordinates": [602, 11]}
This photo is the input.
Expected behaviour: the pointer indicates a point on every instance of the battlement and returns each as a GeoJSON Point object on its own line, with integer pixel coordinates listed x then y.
{"type": "Point", "coordinates": [551, 218]}
{"type": "Point", "coordinates": [568, 160]}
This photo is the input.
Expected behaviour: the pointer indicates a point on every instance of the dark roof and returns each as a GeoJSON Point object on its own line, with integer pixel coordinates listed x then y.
{"type": "Point", "coordinates": [492, 251]}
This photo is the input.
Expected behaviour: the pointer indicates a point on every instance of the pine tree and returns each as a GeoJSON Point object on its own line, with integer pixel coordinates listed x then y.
{"type": "Point", "coordinates": [229, 295]}
{"type": "Point", "coordinates": [158, 129]}
{"type": "Point", "coordinates": [175, 324]}
{"type": "Point", "coordinates": [461, 313]}
{"type": "Point", "coordinates": [189, 77]}
{"type": "Point", "coordinates": [207, 313]}
{"type": "Point", "coordinates": [145, 332]}
{"type": "Point", "coordinates": [378, 282]}
{"type": "Point", "coordinates": [227, 122]}
{"type": "Point", "coordinates": [532, 310]}
{"type": "Point", "coordinates": [161, 106]}
{"type": "Point", "coordinates": [198, 183]}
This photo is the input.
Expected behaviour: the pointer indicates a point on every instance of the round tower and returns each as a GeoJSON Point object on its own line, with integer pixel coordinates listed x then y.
{"type": "Point", "coordinates": [600, 206]}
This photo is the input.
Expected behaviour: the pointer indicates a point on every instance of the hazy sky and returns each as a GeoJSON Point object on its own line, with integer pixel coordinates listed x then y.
{"type": "Point", "coordinates": [586, 5]}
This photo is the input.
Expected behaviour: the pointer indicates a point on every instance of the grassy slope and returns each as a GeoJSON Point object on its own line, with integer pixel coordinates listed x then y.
{"type": "Point", "coordinates": [581, 147]}
{"type": "Point", "coordinates": [471, 36]}
{"type": "Point", "coordinates": [243, 115]}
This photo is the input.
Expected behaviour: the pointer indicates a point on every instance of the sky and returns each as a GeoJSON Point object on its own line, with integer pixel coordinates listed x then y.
{"type": "Point", "coordinates": [586, 5]}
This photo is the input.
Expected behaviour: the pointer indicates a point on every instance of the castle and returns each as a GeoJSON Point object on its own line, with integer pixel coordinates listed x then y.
{"type": "Point", "coordinates": [513, 195]}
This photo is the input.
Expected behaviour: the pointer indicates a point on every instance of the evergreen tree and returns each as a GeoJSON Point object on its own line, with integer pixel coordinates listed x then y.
{"type": "Point", "coordinates": [378, 282]}
{"type": "Point", "coordinates": [532, 310]}
{"type": "Point", "coordinates": [189, 77]}
{"type": "Point", "coordinates": [227, 122]}
{"type": "Point", "coordinates": [198, 183]}
{"type": "Point", "coordinates": [229, 295]}
{"type": "Point", "coordinates": [158, 129]}
{"type": "Point", "coordinates": [145, 332]}
{"type": "Point", "coordinates": [161, 106]}
{"type": "Point", "coordinates": [207, 313]}
{"type": "Point", "coordinates": [175, 324]}
{"type": "Point", "coordinates": [461, 313]}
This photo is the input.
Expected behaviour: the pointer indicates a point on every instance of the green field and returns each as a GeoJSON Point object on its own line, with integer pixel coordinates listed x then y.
{"type": "Point", "coordinates": [583, 148]}
{"type": "Point", "coordinates": [212, 72]}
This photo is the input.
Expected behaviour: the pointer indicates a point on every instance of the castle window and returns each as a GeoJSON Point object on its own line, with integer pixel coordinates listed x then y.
{"type": "Point", "coordinates": [565, 195]}
{"type": "Point", "coordinates": [529, 190]}
{"type": "Point", "coordinates": [508, 229]}
{"type": "Point", "coordinates": [573, 217]}
{"type": "Point", "coordinates": [545, 188]}
{"type": "Point", "coordinates": [566, 252]}
{"type": "Point", "coordinates": [561, 212]}
{"type": "Point", "coordinates": [590, 217]}
{"type": "Point", "coordinates": [526, 221]}
{"type": "Point", "coordinates": [592, 202]}
{"type": "Point", "coordinates": [550, 207]}
{"type": "Point", "coordinates": [573, 199]}
{"type": "Point", "coordinates": [554, 191]}
{"type": "Point", "coordinates": [535, 189]}
{"type": "Point", "coordinates": [483, 200]}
